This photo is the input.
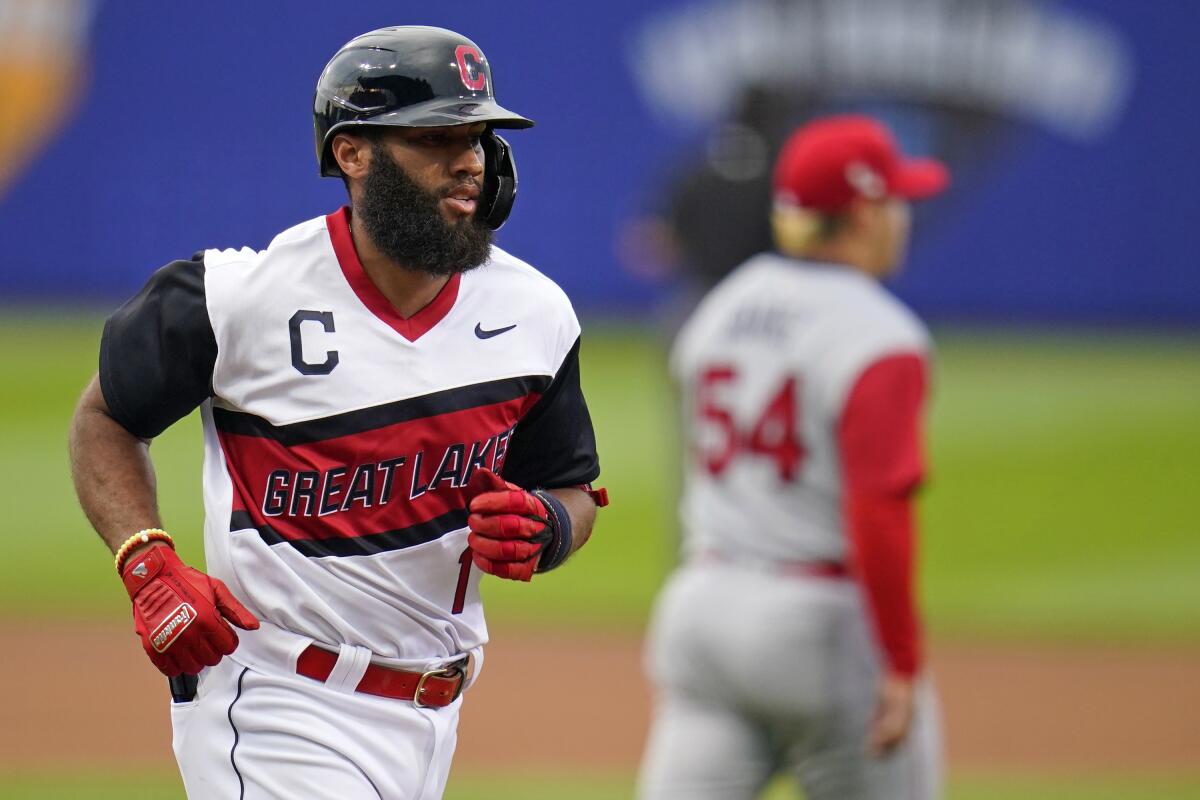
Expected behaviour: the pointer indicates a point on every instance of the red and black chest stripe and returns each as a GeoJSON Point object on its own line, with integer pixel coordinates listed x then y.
{"type": "Point", "coordinates": [370, 480]}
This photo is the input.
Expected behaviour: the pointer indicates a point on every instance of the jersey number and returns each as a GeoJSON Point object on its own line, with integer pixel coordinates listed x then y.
{"type": "Point", "coordinates": [464, 572]}
{"type": "Point", "coordinates": [775, 434]}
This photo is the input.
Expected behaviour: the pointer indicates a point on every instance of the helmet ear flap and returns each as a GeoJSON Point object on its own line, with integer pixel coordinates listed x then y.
{"type": "Point", "coordinates": [500, 180]}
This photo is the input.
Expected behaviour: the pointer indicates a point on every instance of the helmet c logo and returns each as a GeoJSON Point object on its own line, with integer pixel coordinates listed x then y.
{"type": "Point", "coordinates": [470, 67]}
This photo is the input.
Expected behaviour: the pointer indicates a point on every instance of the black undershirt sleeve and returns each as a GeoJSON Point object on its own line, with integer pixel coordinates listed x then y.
{"type": "Point", "coordinates": [554, 445]}
{"type": "Point", "coordinates": [158, 351]}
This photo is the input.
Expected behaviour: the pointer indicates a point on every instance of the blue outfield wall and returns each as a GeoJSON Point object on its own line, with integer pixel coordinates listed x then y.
{"type": "Point", "coordinates": [139, 132]}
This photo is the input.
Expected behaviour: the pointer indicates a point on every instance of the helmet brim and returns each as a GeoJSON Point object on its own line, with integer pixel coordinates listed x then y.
{"type": "Point", "coordinates": [441, 112]}
{"type": "Point", "coordinates": [433, 114]}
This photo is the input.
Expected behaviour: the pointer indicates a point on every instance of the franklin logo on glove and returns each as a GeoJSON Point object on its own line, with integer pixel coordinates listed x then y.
{"type": "Point", "coordinates": [191, 612]}
{"type": "Point", "coordinates": [172, 626]}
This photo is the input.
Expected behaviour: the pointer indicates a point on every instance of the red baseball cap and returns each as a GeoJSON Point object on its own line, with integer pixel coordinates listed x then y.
{"type": "Point", "coordinates": [827, 163]}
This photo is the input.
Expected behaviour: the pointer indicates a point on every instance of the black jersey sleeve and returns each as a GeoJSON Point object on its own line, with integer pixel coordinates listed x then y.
{"type": "Point", "coordinates": [554, 445]}
{"type": "Point", "coordinates": [158, 351]}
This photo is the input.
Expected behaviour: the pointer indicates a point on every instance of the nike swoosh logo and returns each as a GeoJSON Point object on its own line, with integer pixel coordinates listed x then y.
{"type": "Point", "coordinates": [482, 334]}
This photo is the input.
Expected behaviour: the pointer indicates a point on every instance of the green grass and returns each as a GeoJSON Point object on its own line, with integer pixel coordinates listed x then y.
{"type": "Point", "coordinates": [1059, 503]}
{"type": "Point", "coordinates": [166, 786]}
{"type": "Point", "coordinates": [1061, 499]}
{"type": "Point", "coordinates": [55, 564]}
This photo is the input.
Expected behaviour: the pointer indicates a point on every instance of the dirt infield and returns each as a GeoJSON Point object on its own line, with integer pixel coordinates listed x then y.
{"type": "Point", "coordinates": [79, 695]}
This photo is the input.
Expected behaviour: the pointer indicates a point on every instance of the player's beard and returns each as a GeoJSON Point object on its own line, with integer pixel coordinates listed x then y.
{"type": "Point", "coordinates": [405, 223]}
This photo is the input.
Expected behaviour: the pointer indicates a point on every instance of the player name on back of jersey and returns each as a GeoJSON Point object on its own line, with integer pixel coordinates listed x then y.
{"type": "Point", "coordinates": [761, 322]}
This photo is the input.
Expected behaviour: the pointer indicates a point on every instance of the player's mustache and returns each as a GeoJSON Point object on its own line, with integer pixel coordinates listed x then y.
{"type": "Point", "coordinates": [474, 185]}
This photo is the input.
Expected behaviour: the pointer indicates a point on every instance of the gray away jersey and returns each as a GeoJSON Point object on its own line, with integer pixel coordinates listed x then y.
{"type": "Point", "coordinates": [765, 365]}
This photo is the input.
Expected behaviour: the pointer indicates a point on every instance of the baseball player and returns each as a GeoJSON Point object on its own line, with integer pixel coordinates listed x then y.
{"type": "Point", "coordinates": [391, 408]}
{"type": "Point", "coordinates": [789, 639]}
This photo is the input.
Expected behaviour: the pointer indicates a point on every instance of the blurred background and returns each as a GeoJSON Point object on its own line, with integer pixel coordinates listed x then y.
{"type": "Point", "coordinates": [1061, 547]}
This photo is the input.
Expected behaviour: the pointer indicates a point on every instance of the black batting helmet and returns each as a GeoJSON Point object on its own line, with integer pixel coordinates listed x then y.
{"type": "Point", "coordinates": [417, 77]}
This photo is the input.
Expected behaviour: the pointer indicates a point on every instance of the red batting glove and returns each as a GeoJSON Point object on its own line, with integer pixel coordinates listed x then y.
{"type": "Point", "coordinates": [180, 612]}
{"type": "Point", "coordinates": [509, 527]}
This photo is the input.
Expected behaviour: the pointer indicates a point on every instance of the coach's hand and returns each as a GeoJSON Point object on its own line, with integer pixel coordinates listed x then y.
{"type": "Point", "coordinates": [510, 527]}
{"type": "Point", "coordinates": [180, 612]}
{"type": "Point", "coordinates": [893, 714]}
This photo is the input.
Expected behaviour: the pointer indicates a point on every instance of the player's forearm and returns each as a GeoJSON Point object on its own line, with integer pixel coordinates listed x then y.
{"type": "Point", "coordinates": [112, 471]}
{"type": "Point", "coordinates": [582, 510]}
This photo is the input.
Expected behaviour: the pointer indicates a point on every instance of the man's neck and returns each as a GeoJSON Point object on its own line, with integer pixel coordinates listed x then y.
{"type": "Point", "coordinates": [408, 290]}
{"type": "Point", "coordinates": [841, 251]}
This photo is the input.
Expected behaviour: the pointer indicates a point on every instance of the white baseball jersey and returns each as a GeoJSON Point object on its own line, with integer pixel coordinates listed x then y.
{"type": "Point", "coordinates": [765, 364]}
{"type": "Point", "coordinates": [339, 435]}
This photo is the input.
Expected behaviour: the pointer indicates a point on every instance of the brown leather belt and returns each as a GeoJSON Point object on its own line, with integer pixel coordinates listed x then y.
{"type": "Point", "coordinates": [436, 688]}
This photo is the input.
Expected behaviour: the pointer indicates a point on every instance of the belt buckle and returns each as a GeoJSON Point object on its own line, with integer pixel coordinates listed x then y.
{"type": "Point", "coordinates": [437, 673]}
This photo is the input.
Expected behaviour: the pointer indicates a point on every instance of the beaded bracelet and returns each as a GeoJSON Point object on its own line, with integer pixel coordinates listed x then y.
{"type": "Point", "coordinates": [141, 537]}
